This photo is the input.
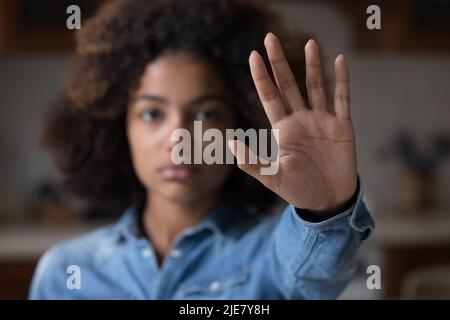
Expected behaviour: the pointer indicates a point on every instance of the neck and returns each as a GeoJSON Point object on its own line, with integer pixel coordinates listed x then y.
{"type": "Point", "coordinates": [164, 219]}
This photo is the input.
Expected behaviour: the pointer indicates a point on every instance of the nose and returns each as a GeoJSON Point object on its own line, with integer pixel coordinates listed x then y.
{"type": "Point", "coordinates": [176, 122]}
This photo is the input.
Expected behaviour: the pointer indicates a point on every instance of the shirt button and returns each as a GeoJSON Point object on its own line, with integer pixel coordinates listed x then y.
{"type": "Point", "coordinates": [146, 253]}
{"type": "Point", "coordinates": [175, 253]}
{"type": "Point", "coordinates": [214, 286]}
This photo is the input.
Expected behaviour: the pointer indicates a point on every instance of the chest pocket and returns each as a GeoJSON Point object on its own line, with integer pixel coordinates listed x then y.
{"type": "Point", "coordinates": [219, 285]}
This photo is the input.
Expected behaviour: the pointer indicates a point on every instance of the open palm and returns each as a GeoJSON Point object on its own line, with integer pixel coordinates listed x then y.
{"type": "Point", "coordinates": [317, 154]}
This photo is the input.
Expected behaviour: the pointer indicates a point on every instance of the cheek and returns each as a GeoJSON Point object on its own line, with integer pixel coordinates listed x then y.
{"type": "Point", "coordinates": [143, 149]}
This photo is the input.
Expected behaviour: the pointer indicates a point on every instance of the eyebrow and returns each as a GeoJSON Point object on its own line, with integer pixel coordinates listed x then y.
{"type": "Point", "coordinates": [195, 102]}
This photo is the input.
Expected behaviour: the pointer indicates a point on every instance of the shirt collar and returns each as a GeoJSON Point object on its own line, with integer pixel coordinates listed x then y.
{"type": "Point", "coordinates": [222, 220]}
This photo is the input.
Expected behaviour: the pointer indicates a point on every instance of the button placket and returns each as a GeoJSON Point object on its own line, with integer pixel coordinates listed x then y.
{"type": "Point", "coordinates": [146, 253]}
{"type": "Point", "coordinates": [176, 253]}
{"type": "Point", "coordinates": [215, 286]}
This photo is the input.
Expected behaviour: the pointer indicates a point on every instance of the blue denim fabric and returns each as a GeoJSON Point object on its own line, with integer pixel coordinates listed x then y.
{"type": "Point", "coordinates": [229, 255]}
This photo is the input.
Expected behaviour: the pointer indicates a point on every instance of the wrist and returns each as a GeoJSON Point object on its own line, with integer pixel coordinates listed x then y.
{"type": "Point", "coordinates": [325, 214]}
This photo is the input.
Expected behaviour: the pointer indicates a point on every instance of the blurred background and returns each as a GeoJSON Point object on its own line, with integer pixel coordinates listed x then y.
{"type": "Point", "coordinates": [400, 82]}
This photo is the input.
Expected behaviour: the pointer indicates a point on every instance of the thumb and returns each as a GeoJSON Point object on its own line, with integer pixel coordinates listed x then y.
{"type": "Point", "coordinates": [251, 163]}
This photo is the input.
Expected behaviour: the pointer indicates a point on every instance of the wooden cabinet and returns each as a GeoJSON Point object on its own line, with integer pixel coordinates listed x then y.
{"type": "Point", "coordinates": [30, 26]}
{"type": "Point", "coordinates": [15, 278]}
{"type": "Point", "coordinates": [409, 242]}
{"type": "Point", "coordinates": [406, 25]}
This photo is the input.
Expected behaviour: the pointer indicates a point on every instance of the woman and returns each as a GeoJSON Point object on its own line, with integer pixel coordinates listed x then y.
{"type": "Point", "coordinates": [144, 69]}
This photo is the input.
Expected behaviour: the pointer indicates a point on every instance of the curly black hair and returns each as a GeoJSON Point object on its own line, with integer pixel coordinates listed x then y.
{"type": "Point", "coordinates": [85, 129]}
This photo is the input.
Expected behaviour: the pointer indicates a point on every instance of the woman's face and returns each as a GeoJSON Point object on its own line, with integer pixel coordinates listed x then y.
{"type": "Point", "coordinates": [174, 91]}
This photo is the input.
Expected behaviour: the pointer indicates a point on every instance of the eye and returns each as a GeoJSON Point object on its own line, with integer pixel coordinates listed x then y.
{"type": "Point", "coordinates": [208, 115]}
{"type": "Point", "coordinates": [150, 115]}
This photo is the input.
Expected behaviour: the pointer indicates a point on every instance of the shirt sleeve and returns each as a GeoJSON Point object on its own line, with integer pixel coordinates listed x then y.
{"type": "Point", "coordinates": [315, 260]}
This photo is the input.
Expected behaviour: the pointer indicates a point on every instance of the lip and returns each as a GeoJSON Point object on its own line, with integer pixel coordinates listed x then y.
{"type": "Point", "coordinates": [177, 172]}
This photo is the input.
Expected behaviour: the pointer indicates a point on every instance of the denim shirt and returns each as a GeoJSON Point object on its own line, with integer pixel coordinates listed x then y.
{"type": "Point", "coordinates": [230, 254]}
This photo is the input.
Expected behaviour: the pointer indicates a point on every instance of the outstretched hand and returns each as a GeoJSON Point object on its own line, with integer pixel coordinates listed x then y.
{"type": "Point", "coordinates": [317, 153]}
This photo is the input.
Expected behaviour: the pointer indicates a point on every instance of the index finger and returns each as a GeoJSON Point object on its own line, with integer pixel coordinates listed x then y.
{"type": "Point", "coordinates": [267, 91]}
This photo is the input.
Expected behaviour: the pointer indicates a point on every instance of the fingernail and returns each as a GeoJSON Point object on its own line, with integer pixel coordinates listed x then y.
{"type": "Point", "coordinates": [270, 35]}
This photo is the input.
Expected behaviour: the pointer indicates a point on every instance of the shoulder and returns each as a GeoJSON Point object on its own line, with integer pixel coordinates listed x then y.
{"type": "Point", "coordinates": [86, 251]}
{"type": "Point", "coordinates": [87, 248]}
